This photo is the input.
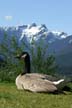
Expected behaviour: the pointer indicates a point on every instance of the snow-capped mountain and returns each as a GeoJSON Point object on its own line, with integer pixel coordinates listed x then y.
{"type": "Point", "coordinates": [41, 32]}
{"type": "Point", "coordinates": [59, 43]}
{"type": "Point", "coordinates": [33, 31]}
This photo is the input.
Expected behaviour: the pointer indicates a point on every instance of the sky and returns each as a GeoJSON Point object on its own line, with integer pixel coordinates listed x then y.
{"type": "Point", "coordinates": [56, 14]}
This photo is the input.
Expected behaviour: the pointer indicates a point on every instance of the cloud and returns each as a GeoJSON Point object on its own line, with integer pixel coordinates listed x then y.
{"type": "Point", "coordinates": [8, 17]}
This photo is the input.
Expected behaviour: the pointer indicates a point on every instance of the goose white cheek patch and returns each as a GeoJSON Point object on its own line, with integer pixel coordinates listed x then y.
{"type": "Point", "coordinates": [24, 56]}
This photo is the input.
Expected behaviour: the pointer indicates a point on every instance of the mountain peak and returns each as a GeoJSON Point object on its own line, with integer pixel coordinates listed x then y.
{"type": "Point", "coordinates": [34, 31]}
{"type": "Point", "coordinates": [32, 25]}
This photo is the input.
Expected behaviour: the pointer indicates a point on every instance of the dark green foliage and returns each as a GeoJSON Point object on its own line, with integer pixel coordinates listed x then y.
{"type": "Point", "coordinates": [10, 47]}
{"type": "Point", "coordinates": [41, 63]}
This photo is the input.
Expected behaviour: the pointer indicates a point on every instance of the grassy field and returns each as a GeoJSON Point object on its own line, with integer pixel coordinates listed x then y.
{"type": "Point", "coordinates": [10, 97]}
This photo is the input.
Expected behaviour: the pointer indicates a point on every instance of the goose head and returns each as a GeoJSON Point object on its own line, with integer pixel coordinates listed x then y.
{"type": "Point", "coordinates": [26, 57]}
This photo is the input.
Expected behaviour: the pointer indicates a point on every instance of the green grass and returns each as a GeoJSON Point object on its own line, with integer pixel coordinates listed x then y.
{"type": "Point", "coordinates": [10, 97]}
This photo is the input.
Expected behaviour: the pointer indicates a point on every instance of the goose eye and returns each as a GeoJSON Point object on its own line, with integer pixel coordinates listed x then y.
{"type": "Point", "coordinates": [23, 56]}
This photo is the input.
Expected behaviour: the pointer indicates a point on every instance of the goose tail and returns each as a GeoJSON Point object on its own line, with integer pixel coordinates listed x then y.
{"type": "Point", "coordinates": [58, 82]}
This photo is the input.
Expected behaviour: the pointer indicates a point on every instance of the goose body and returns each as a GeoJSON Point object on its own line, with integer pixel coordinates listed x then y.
{"type": "Point", "coordinates": [36, 82]}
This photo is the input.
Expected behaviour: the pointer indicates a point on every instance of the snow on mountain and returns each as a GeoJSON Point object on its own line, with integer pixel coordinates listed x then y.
{"type": "Point", "coordinates": [59, 35]}
{"type": "Point", "coordinates": [29, 32]}
{"type": "Point", "coordinates": [41, 32]}
{"type": "Point", "coordinates": [35, 32]}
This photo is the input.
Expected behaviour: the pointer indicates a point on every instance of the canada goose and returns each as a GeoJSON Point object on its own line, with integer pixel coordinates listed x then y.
{"type": "Point", "coordinates": [36, 82]}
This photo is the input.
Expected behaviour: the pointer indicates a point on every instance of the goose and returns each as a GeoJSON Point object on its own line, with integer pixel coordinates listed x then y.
{"type": "Point", "coordinates": [36, 82]}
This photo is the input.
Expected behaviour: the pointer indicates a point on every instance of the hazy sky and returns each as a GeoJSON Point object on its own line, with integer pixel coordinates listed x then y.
{"type": "Point", "coordinates": [56, 14]}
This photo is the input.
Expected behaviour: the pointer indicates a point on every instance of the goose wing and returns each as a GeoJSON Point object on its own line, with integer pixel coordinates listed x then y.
{"type": "Point", "coordinates": [42, 76]}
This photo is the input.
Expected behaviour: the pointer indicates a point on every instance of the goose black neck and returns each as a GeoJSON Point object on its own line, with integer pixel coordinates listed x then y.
{"type": "Point", "coordinates": [27, 65]}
